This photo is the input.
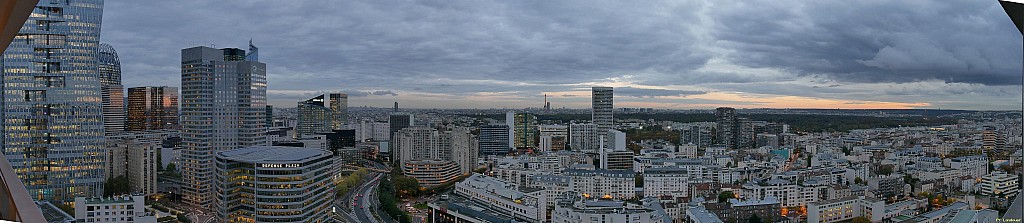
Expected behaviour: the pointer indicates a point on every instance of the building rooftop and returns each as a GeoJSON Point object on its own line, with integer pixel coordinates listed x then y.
{"type": "Point", "coordinates": [766, 201]}
{"type": "Point", "coordinates": [702, 215]}
{"type": "Point", "coordinates": [273, 154]}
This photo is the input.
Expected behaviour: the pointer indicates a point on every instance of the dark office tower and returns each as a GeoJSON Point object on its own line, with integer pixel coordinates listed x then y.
{"type": "Point", "coordinates": [314, 117]}
{"type": "Point", "coordinates": [396, 107]}
{"type": "Point", "coordinates": [270, 116]}
{"type": "Point", "coordinates": [602, 109]}
{"type": "Point", "coordinates": [223, 106]}
{"type": "Point", "coordinates": [397, 122]}
{"type": "Point", "coordinates": [112, 92]}
{"type": "Point", "coordinates": [494, 139]}
{"type": "Point", "coordinates": [151, 108]}
{"type": "Point", "coordinates": [342, 143]}
{"type": "Point", "coordinates": [51, 101]}
{"type": "Point", "coordinates": [728, 127]}
{"type": "Point", "coordinates": [233, 54]}
{"type": "Point", "coordinates": [339, 109]}
{"type": "Point", "coordinates": [748, 134]}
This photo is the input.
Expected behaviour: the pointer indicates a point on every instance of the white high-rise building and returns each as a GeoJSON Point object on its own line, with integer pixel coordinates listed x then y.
{"type": "Point", "coordinates": [51, 101]}
{"type": "Point", "coordinates": [223, 107]}
{"type": "Point", "coordinates": [583, 137]}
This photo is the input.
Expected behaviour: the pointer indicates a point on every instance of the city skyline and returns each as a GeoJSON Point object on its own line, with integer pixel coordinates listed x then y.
{"type": "Point", "coordinates": [949, 55]}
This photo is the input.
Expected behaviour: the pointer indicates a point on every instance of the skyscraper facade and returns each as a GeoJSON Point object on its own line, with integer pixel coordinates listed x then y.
{"type": "Point", "coordinates": [112, 92]}
{"type": "Point", "coordinates": [525, 130]}
{"type": "Point", "coordinates": [397, 122]}
{"type": "Point", "coordinates": [602, 106]}
{"type": "Point", "coordinates": [52, 102]}
{"type": "Point", "coordinates": [273, 184]}
{"type": "Point", "coordinates": [152, 108]}
{"type": "Point", "coordinates": [494, 139]}
{"type": "Point", "coordinates": [314, 117]}
{"type": "Point", "coordinates": [339, 108]}
{"type": "Point", "coordinates": [223, 107]}
{"type": "Point", "coordinates": [727, 127]}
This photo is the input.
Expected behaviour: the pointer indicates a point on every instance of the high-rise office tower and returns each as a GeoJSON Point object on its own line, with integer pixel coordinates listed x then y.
{"type": "Point", "coordinates": [112, 92]}
{"type": "Point", "coordinates": [51, 103]}
{"type": "Point", "coordinates": [602, 106]}
{"type": "Point", "coordinates": [339, 109]}
{"type": "Point", "coordinates": [525, 127]}
{"type": "Point", "coordinates": [314, 117]}
{"type": "Point", "coordinates": [151, 108]}
{"type": "Point", "coordinates": [510, 121]}
{"type": "Point", "coordinates": [728, 127]}
{"type": "Point", "coordinates": [397, 122]}
{"type": "Point", "coordinates": [494, 139]}
{"type": "Point", "coordinates": [223, 106]}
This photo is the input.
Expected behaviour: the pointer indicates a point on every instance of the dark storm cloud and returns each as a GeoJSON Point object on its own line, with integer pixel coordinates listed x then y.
{"type": "Point", "coordinates": [524, 48]}
{"type": "Point", "coordinates": [651, 93]}
{"type": "Point", "coordinates": [962, 41]}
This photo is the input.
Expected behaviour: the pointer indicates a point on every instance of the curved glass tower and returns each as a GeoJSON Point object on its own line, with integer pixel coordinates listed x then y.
{"type": "Point", "coordinates": [51, 107]}
{"type": "Point", "coordinates": [112, 92]}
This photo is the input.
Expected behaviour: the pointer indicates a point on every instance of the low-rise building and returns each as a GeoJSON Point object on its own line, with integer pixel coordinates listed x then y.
{"type": "Point", "coordinates": [114, 209]}
{"type": "Point", "coordinates": [671, 182]}
{"type": "Point", "coordinates": [1000, 184]}
{"type": "Point", "coordinates": [698, 214]}
{"type": "Point", "coordinates": [431, 173]}
{"type": "Point", "coordinates": [616, 184]}
{"type": "Point", "coordinates": [768, 210]}
{"type": "Point", "coordinates": [587, 210]}
{"type": "Point", "coordinates": [524, 204]}
{"type": "Point", "coordinates": [845, 209]}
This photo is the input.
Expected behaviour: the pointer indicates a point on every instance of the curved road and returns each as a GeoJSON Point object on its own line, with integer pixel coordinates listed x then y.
{"type": "Point", "coordinates": [361, 204]}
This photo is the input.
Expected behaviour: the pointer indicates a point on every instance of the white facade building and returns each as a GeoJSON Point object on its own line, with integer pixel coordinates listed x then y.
{"type": "Point", "coordinates": [121, 209]}
{"type": "Point", "coordinates": [506, 197]}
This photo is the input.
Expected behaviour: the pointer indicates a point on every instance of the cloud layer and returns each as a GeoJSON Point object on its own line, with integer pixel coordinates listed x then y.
{"type": "Point", "coordinates": [950, 54]}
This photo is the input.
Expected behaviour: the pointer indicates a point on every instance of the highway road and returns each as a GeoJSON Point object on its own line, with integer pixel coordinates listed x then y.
{"type": "Point", "coordinates": [362, 204]}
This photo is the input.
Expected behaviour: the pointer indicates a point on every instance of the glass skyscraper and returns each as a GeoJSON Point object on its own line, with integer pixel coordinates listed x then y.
{"type": "Point", "coordinates": [112, 91]}
{"type": "Point", "coordinates": [51, 107]}
{"type": "Point", "coordinates": [314, 117]}
{"type": "Point", "coordinates": [151, 108]}
{"type": "Point", "coordinates": [223, 107]}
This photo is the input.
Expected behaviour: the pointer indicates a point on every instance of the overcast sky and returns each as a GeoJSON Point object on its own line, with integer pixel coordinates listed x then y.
{"type": "Point", "coordinates": [950, 54]}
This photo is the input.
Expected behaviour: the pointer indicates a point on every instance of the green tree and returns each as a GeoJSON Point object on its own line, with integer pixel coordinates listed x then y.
{"type": "Point", "coordinates": [861, 220]}
{"type": "Point", "coordinates": [885, 169]}
{"type": "Point", "coordinates": [406, 186]}
{"type": "Point", "coordinates": [725, 195]}
{"type": "Point", "coordinates": [170, 168]}
{"type": "Point", "coordinates": [754, 219]}
{"type": "Point", "coordinates": [858, 180]}
{"type": "Point", "coordinates": [116, 185]}
{"type": "Point", "coordinates": [183, 218]}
